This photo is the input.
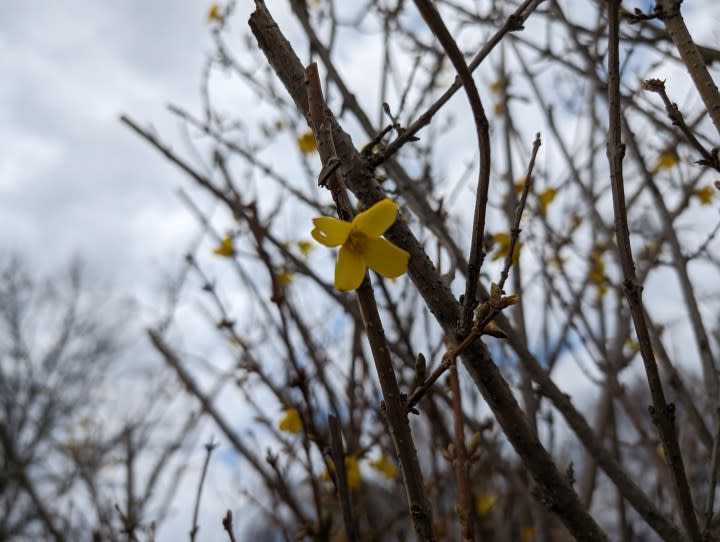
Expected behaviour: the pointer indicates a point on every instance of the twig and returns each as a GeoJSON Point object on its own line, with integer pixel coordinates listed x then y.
{"type": "Point", "coordinates": [668, 11]}
{"type": "Point", "coordinates": [663, 415]}
{"type": "Point", "coordinates": [676, 117]}
{"type": "Point", "coordinates": [393, 404]}
{"type": "Point", "coordinates": [710, 503]}
{"type": "Point", "coordinates": [515, 230]}
{"type": "Point", "coordinates": [209, 447]}
{"type": "Point", "coordinates": [227, 524]}
{"type": "Point", "coordinates": [513, 23]}
{"type": "Point", "coordinates": [338, 457]}
{"type": "Point", "coordinates": [482, 131]}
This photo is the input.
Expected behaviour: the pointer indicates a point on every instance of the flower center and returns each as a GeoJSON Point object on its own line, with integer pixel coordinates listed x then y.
{"type": "Point", "coordinates": [357, 241]}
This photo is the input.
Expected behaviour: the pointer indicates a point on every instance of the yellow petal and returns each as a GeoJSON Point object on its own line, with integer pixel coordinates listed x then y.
{"type": "Point", "coordinates": [667, 160]}
{"type": "Point", "coordinates": [705, 194]}
{"type": "Point", "coordinates": [484, 503]}
{"type": "Point", "coordinates": [545, 198]}
{"type": "Point", "coordinates": [226, 248]}
{"type": "Point", "coordinates": [378, 218]}
{"type": "Point", "coordinates": [330, 231]}
{"type": "Point", "coordinates": [306, 143]}
{"type": "Point", "coordinates": [214, 13]}
{"type": "Point", "coordinates": [291, 422]}
{"type": "Point", "coordinates": [354, 478]}
{"type": "Point", "coordinates": [384, 466]}
{"type": "Point", "coordinates": [349, 271]}
{"type": "Point", "coordinates": [385, 258]}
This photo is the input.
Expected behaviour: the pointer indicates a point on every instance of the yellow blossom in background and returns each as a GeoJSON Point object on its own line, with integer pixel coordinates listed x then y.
{"type": "Point", "coordinates": [705, 194]}
{"type": "Point", "coordinates": [502, 240]}
{"type": "Point", "coordinates": [305, 248]}
{"type": "Point", "coordinates": [496, 86]}
{"type": "Point", "coordinates": [352, 470]}
{"type": "Point", "coordinates": [597, 268]}
{"type": "Point", "coordinates": [226, 248]}
{"type": "Point", "coordinates": [527, 534]}
{"type": "Point", "coordinates": [306, 143]}
{"type": "Point", "coordinates": [285, 277]}
{"type": "Point", "coordinates": [520, 185]}
{"type": "Point", "coordinates": [484, 503]}
{"type": "Point", "coordinates": [214, 13]}
{"type": "Point", "coordinates": [667, 160]}
{"type": "Point", "coordinates": [291, 422]}
{"type": "Point", "coordinates": [384, 465]}
{"type": "Point", "coordinates": [545, 198]}
{"type": "Point", "coordinates": [660, 449]}
{"type": "Point", "coordinates": [361, 245]}
{"type": "Point", "coordinates": [499, 109]}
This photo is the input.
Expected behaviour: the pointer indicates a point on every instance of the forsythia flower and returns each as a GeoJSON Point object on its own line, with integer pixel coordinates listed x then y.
{"type": "Point", "coordinates": [291, 422]}
{"type": "Point", "coordinates": [484, 503]}
{"type": "Point", "coordinates": [226, 248]}
{"type": "Point", "coordinates": [384, 466]}
{"type": "Point", "coordinates": [705, 194]}
{"type": "Point", "coordinates": [502, 239]}
{"type": "Point", "coordinates": [214, 13]}
{"type": "Point", "coordinates": [666, 160]}
{"type": "Point", "coordinates": [285, 277]}
{"type": "Point", "coordinates": [352, 470]}
{"type": "Point", "coordinates": [361, 245]}
{"type": "Point", "coordinates": [545, 198]}
{"type": "Point", "coordinates": [305, 248]}
{"type": "Point", "coordinates": [306, 143]}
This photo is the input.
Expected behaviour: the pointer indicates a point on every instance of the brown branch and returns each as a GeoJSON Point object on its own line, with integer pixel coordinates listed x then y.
{"type": "Point", "coordinates": [657, 86]}
{"type": "Point", "coordinates": [513, 23]}
{"type": "Point", "coordinates": [338, 457]}
{"type": "Point", "coordinates": [663, 415]}
{"type": "Point", "coordinates": [227, 524]}
{"type": "Point", "coordinates": [209, 447]}
{"type": "Point", "coordinates": [482, 131]}
{"type": "Point", "coordinates": [393, 402]}
{"type": "Point", "coordinates": [668, 11]}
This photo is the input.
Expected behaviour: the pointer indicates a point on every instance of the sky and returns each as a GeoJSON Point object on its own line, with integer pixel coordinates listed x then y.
{"type": "Point", "coordinates": [75, 181]}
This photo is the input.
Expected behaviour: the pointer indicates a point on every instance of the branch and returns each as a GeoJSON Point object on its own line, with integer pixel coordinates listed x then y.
{"type": "Point", "coordinates": [663, 415]}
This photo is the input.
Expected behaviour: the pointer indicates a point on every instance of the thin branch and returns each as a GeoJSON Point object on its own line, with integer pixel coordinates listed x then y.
{"type": "Point", "coordinates": [663, 415]}
{"type": "Point", "coordinates": [209, 447]}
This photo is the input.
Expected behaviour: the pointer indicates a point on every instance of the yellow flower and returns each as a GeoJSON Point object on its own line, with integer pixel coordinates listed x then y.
{"type": "Point", "coordinates": [545, 198]}
{"type": "Point", "coordinates": [484, 503]}
{"type": "Point", "coordinates": [306, 143]}
{"type": "Point", "coordinates": [291, 422]}
{"type": "Point", "coordinates": [305, 248]}
{"type": "Point", "coordinates": [214, 13]}
{"type": "Point", "coordinates": [384, 466]}
{"type": "Point", "coordinates": [352, 470]}
{"type": "Point", "coordinates": [361, 245]}
{"type": "Point", "coordinates": [285, 277]}
{"type": "Point", "coordinates": [705, 194]}
{"type": "Point", "coordinates": [502, 240]}
{"type": "Point", "coordinates": [527, 534]}
{"type": "Point", "coordinates": [667, 160]}
{"type": "Point", "coordinates": [496, 86]}
{"type": "Point", "coordinates": [519, 186]}
{"type": "Point", "coordinates": [226, 248]}
{"type": "Point", "coordinates": [499, 109]}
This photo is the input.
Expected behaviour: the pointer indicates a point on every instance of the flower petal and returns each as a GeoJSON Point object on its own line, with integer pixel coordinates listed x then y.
{"type": "Point", "coordinates": [349, 271]}
{"type": "Point", "coordinates": [385, 258]}
{"type": "Point", "coordinates": [374, 221]}
{"type": "Point", "coordinates": [330, 231]}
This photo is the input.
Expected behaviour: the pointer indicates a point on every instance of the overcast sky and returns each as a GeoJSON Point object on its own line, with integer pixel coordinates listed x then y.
{"type": "Point", "coordinates": [73, 179]}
